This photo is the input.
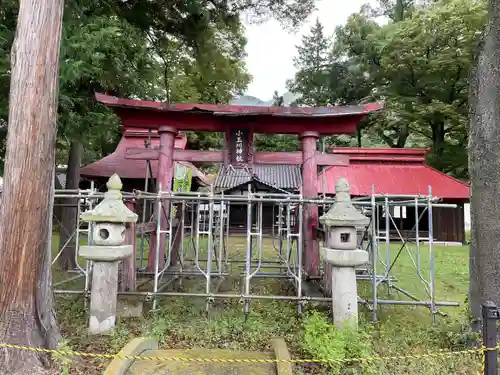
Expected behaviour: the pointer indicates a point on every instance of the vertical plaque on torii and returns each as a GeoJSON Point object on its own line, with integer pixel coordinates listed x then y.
{"type": "Point", "coordinates": [239, 143]}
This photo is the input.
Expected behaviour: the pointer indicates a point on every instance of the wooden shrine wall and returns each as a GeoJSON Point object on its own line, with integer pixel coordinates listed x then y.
{"type": "Point", "coordinates": [449, 223]}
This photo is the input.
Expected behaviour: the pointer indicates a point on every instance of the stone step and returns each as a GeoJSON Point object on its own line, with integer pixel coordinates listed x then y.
{"type": "Point", "coordinates": [149, 348]}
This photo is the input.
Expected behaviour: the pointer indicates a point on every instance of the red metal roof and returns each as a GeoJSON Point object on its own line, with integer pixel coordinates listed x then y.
{"type": "Point", "coordinates": [391, 171]}
{"type": "Point", "coordinates": [134, 169]}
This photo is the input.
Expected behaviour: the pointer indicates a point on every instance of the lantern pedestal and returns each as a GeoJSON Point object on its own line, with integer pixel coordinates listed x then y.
{"type": "Point", "coordinates": [104, 293]}
{"type": "Point", "coordinates": [343, 265]}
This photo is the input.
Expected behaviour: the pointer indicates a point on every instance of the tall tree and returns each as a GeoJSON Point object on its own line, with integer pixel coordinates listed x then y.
{"type": "Point", "coordinates": [99, 53]}
{"type": "Point", "coordinates": [26, 311]}
{"type": "Point", "coordinates": [426, 59]}
{"type": "Point", "coordinates": [278, 100]}
{"type": "Point", "coordinates": [312, 63]}
{"type": "Point", "coordinates": [273, 142]}
{"type": "Point", "coordinates": [418, 63]}
{"type": "Point", "coordinates": [484, 143]}
{"type": "Point", "coordinates": [68, 224]}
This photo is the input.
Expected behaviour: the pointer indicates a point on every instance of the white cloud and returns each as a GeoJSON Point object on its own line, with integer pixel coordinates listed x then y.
{"type": "Point", "coordinates": [271, 49]}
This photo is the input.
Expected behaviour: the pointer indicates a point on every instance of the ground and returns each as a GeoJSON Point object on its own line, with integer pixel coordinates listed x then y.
{"type": "Point", "coordinates": [401, 330]}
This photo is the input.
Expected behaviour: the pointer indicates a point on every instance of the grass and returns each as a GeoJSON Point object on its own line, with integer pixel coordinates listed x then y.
{"type": "Point", "coordinates": [401, 330]}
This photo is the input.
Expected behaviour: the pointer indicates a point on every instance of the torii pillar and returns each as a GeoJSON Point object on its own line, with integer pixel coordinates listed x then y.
{"type": "Point", "coordinates": [164, 179]}
{"type": "Point", "coordinates": [310, 244]}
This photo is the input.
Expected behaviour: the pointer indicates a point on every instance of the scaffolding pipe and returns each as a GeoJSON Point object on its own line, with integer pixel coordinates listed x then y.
{"type": "Point", "coordinates": [374, 245]}
{"type": "Point", "coordinates": [431, 257]}
{"type": "Point", "coordinates": [289, 247]}
{"type": "Point", "coordinates": [264, 297]}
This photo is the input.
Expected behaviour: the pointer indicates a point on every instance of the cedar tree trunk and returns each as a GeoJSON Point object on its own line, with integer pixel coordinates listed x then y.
{"type": "Point", "coordinates": [26, 303]}
{"type": "Point", "coordinates": [69, 209]}
{"type": "Point", "coordinates": [484, 169]}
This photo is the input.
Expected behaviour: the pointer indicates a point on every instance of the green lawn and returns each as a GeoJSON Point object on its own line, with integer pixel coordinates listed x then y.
{"type": "Point", "coordinates": [182, 322]}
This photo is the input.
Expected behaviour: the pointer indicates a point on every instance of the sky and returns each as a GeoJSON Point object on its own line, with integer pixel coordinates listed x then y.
{"type": "Point", "coordinates": [270, 48]}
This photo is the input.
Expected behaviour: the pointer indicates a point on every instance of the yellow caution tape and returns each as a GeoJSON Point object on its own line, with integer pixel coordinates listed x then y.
{"type": "Point", "coordinates": [71, 353]}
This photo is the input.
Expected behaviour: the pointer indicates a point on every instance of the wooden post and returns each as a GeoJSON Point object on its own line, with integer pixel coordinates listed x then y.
{"type": "Point", "coordinates": [128, 281]}
{"type": "Point", "coordinates": [310, 190]}
{"type": "Point", "coordinates": [163, 178]}
{"type": "Point", "coordinates": [490, 319]}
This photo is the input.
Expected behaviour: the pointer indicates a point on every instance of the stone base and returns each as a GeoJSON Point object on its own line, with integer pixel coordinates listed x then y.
{"type": "Point", "coordinates": [345, 258]}
{"type": "Point", "coordinates": [103, 327]}
{"type": "Point", "coordinates": [127, 308]}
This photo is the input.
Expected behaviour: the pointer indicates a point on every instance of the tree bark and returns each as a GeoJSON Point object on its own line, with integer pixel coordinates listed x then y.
{"type": "Point", "coordinates": [69, 209]}
{"type": "Point", "coordinates": [57, 212]}
{"type": "Point", "coordinates": [438, 137]}
{"type": "Point", "coordinates": [26, 308]}
{"type": "Point", "coordinates": [403, 136]}
{"type": "Point", "coordinates": [484, 146]}
{"type": "Point", "coordinates": [399, 139]}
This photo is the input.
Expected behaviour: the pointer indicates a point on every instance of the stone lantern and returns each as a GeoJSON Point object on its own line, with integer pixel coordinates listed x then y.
{"type": "Point", "coordinates": [107, 250]}
{"type": "Point", "coordinates": [341, 223]}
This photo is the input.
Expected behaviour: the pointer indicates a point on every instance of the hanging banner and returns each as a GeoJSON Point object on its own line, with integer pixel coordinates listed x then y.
{"type": "Point", "coordinates": [183, 177]}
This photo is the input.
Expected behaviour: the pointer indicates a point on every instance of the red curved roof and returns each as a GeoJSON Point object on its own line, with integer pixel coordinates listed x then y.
{"type": "Point", "coordinates": [219, 118]}
{"type": "Point", "coordinates": [391, 171]}
{"type": "Point", "coordinates": [242, 110]}
{"type": "Point", "coordinates": [134, 169]}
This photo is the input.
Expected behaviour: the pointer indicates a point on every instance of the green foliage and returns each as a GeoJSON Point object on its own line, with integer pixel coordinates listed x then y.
{"type": "Point", "coordinates": [312, 63]}
{"type": "Point", "coordinates": [99, 54]}
{"type": "Point", "coordinates": [205, 140]}
{"type": "Point", "coordinates": [226, 327]}
{"type": "Point", "coordinates": [62, 362]}
{"type": "Point", "coordinates": [323, 341]}
{"type": "Point", "coordinates": [417, 63]}
{"type": "Point", "coordinates": [276, 142]}
{"type": "Point", "coordinates": [426, 59]}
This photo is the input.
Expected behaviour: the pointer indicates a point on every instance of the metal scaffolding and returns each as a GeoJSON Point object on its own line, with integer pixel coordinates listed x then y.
{"type": "Point", "coordinates": [386, 243]}
{"type": "Point", "coordinates": [204, 250]}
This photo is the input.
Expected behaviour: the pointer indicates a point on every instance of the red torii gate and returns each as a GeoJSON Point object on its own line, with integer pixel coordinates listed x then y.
{"type": "Point", "coordinates": [239, 123]}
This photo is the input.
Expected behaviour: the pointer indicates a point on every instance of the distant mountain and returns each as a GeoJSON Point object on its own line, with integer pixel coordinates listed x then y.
{"type": "Point", "coordinates": [248, 100]}
{"type": "Point", "coordinates": [288, 98]}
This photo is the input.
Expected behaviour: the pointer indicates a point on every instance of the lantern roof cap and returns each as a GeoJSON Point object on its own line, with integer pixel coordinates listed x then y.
{"type": "Point", "coordinates": [343, 213]}
{"type": "Point", "coordinates": [111, 208]}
